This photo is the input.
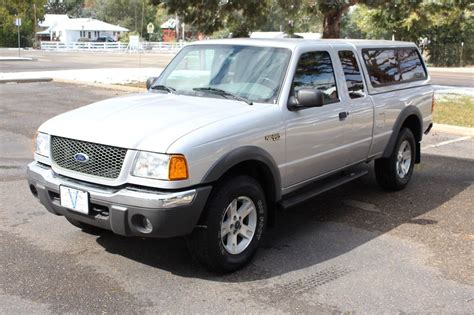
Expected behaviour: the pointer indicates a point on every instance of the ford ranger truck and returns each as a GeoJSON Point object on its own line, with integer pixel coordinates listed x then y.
{"type": "Point", "coordinates": [231, 131]}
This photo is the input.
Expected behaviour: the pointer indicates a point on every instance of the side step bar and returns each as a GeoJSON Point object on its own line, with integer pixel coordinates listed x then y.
{"type": "Point", "coordinates": [318, 188]}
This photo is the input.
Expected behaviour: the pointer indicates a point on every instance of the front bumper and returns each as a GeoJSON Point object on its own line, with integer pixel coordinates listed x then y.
{"type": "Point", "coordinates": [123, 210]}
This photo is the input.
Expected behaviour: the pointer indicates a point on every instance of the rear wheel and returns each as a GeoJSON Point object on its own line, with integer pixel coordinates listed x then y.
{"type": "Point", "coordinates": [395, 172]}
{"type": "Point", "coordinates": [232, 225]}
{"type": "Point", "coordinates": [84, 226]}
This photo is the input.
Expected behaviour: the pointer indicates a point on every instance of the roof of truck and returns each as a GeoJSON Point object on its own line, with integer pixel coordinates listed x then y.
{"type": "Point", "coordinates": [293, 43]}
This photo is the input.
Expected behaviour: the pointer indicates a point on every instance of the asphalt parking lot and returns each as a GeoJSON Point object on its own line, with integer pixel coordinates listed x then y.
{"type": "Point", "coordinates": [354, 249]}
{"type": "Point", "coordinates": [68, 60]}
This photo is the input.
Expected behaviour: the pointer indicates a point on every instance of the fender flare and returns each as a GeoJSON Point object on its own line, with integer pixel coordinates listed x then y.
{"type": "Point", "coordinates": [244, 154]}
{"type": "Point", "coordinates": [404, 114]}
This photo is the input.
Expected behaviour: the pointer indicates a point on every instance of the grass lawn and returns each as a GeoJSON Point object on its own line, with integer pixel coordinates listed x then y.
{"type": "Point", "coordinates": [454, 109]}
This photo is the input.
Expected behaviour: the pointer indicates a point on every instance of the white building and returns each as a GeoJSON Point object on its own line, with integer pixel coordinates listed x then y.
{"type": "Point", "coordinates": [51, 20]}
{"type": "Point", "coordinates": [64, 29]}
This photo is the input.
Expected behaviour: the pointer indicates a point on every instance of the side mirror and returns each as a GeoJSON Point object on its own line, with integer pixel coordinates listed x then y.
{"type": "Point", "coordinates": [150, 82]}
{"type": "Point", "coordinates": [306, 98]}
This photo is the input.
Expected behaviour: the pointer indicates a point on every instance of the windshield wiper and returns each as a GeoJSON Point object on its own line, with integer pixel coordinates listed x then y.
{"type": "Point", "coordinates": [223, 93]}
{"type": "Point", "coordinates": [163, 88]}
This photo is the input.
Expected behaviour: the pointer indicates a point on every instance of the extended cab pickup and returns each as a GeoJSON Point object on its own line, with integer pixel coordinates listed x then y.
{"type": "Point", "coordinates": [229, 132]}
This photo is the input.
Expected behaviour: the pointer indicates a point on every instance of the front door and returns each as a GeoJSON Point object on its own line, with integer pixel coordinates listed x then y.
{"type": "Point", "coordinates": [316, 137]}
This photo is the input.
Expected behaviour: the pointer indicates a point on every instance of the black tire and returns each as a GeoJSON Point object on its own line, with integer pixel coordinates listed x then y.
{"type": "Point", "coordinates": [84, 226]}
{"type": "Point", "coordinates": [206, 244]}
{"type": "Point", "coordinates": [386, 168]}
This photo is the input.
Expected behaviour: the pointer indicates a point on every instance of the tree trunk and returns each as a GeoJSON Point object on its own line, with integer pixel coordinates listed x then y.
{"type": "Point", "coordinates": [332, 19]}
{"type": "Point", "coordinates": [332, 24]}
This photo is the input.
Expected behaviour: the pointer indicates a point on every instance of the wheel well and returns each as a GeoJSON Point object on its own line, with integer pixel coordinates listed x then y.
{"type": "Point", "coordinates": [413, 123]}
{"type": "Point", "coordinates": [260, 172]}
{"type": "Point", "coordinates": [264, 176]}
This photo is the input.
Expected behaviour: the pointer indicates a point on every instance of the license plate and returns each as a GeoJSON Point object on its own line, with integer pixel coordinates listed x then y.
{"type": "Point", "coordinates": [74, 199]}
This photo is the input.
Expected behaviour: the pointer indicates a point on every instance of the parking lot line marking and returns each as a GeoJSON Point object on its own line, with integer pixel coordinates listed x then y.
{"type": "Point", "coordinates": [446, 142]}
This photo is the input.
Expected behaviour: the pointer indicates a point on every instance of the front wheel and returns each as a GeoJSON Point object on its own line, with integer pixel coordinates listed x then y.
{"type": "Point", "coordinates": [231, 227]}
{"type": "Point", "coordinates": [394, 172]}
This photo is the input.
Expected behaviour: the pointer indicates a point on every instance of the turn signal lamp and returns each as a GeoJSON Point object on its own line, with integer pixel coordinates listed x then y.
{"type": "Point", "coordinates": [178, 168]}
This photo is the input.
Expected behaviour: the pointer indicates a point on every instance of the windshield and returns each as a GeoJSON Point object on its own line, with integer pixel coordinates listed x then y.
{"type": "Point", "coordinates": [252, 73]}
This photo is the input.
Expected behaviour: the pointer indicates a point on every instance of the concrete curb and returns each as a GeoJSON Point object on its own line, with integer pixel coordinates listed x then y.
{"type": "Point", "coordinates": [102, 85]}
{"type": "Point", "coordinates": [30, 80]}
{"type": "Point", "coordinates": [454, 130]}
{"type": "Point", "coordinates": [17, 59]}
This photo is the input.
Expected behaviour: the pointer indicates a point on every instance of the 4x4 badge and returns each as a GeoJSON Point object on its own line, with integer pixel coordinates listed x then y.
{"type": "Point", "coordinates": [273, 137]}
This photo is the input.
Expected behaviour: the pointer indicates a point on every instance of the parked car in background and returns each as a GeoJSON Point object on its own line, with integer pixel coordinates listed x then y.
{"type": "Point", "coordinates": [231, 131]}
{"type": "Point", "coordinates": [105, 39]}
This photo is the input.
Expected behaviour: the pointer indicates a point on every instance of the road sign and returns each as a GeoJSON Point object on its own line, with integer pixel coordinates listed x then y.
{"type": "Point", "coordinates": [17, 22]}
{"type": "Point", "coordinates": [150, 28]}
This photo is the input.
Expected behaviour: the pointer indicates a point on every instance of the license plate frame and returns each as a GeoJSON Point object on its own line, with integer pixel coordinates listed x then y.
{"type": "Point", "coordinates": [74, 199]}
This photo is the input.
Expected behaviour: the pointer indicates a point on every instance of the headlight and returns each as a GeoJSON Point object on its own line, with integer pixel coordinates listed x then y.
{"type": "Point", "coordinates": [160, 166]}
{"type": "Point", "coordinates": [42, 144]}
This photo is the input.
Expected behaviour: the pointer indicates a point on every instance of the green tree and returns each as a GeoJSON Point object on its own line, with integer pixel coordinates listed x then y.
{"type": "Point", "coordinates": [132, 14]}
{"type": "Point", "coordinates": [242, 17]}
{"type": "Point", "coordinates": [333, 12]}
{"type": "Point", "coordinates": [209, 16]}
{"type": "Point", "coordinates": [9, 11]}
{"type": "Point", "coordinates": [451, 33]}
{"type": "Point", "coordinates": [72, 8]}
{"type": "Point", "coordinates": [297, 16]}
{"type": "Point", "coordinates": [446, 24]}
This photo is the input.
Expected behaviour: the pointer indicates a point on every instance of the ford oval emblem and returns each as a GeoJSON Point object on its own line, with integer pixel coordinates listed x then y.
{"type": "Point", "coordinates": [81, 157]}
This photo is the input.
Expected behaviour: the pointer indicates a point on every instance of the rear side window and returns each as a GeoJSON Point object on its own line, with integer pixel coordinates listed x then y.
{"type": "Point", "coordinates": [393, 66]}
{"type": "Point", "coordinates": [354, 83]}
{"type": "Point", "coordinates": [410, 65]}
{"type": "Point", "coordinates": [315, 70]}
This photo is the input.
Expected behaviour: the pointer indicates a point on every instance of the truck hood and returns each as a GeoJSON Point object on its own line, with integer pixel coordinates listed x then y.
{"type": "Point", "coordinates": [147, 121]}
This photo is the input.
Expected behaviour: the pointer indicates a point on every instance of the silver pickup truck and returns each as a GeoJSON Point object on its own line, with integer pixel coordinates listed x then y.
{"type": "Point", "coordinates": [230, 132]}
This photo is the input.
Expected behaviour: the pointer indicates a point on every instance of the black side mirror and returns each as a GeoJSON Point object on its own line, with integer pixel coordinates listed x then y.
{"type": "Point", "coordinates": [150, 82]}
{"type": "Point", "coordinates": [306, 98]}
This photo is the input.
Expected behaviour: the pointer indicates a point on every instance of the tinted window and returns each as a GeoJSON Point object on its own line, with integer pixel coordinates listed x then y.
{"type": "Point", "coordinates": [382, 66]}
{"type": "Point", "coordinates": [392, 66]}
{"type": "Point", "coordinates": [355, 86]}
{"type": "Point", "coordinates": [410, 65]}
{"type": "Point", "coordinates": [315, 70]}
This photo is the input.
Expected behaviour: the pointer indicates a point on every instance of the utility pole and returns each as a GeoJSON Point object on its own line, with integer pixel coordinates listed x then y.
{"type": "Point", "coordinates": [136, 23]}
{"type": "Point", "coordinates": [143, 17]}
{"type": "Point", "coordinates": [34, 22]}
{"type": "Point", "coordinates": [18, 40]}
{"type": "Point", "coordinates": [176, 26]}
{"type": "Point", "coordinates": [18, 24]}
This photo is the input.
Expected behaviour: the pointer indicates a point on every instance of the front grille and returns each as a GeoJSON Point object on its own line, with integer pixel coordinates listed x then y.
{"type": "Point", "coordinates": [104, 161]}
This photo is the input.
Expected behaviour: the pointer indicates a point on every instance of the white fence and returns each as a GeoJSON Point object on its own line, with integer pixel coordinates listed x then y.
{"type": "Point", "coordinates": [116, 46]}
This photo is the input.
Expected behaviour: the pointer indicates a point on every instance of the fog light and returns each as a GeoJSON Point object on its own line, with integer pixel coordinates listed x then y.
{"type": "Point", "coordinates": [147, 226]}
{"type": "Point", "coordinates": [142, 224]}
{"type": "Point", "coordinates": [34, 191]}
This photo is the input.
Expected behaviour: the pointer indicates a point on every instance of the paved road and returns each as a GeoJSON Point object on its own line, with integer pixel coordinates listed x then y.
{"type": "Point", "coordinates": [449, 78]}
{"type": "Point", "coordinates": [50, 61]}
{"type": "Point", "coordinates": [354, 249]}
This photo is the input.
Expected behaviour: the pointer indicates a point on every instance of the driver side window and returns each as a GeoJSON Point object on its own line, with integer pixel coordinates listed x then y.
{"type": "Point", "coordinates": [314, 70]}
